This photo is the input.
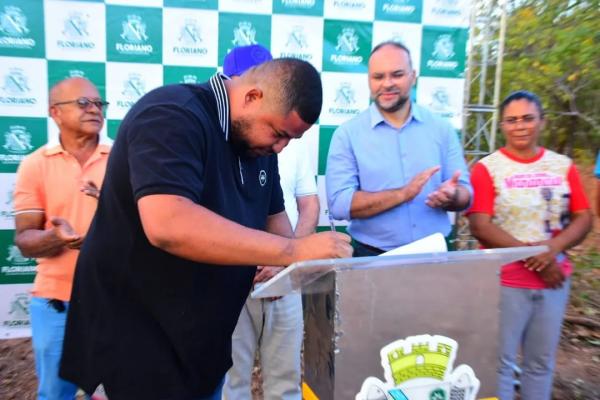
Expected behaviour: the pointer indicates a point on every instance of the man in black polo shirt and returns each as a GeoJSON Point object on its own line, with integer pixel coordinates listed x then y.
{"type": "Point", "coordinates": [190, 204]}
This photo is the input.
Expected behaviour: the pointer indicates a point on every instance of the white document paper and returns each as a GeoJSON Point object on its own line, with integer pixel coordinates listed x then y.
{"type": "Point", "coordinates": [435, 243]}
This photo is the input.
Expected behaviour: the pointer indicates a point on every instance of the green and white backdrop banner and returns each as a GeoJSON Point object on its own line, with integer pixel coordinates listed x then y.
{"type": "Point", "coordinates": [128, 47]}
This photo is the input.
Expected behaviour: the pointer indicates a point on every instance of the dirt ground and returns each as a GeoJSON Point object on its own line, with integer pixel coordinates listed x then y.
{"type": "Point", "coordinates": [578, 363]}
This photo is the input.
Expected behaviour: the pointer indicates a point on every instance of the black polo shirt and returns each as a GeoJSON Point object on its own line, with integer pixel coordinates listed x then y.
{"type": "Point", "coordinates": [143, 322]}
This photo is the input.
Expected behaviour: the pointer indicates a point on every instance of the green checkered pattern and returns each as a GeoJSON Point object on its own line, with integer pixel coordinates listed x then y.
{"type": "Point", "coordinates": [128, 47]}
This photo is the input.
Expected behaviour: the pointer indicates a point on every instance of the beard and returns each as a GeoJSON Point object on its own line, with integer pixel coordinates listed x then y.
{"type": "Point", "coordinates": [239, 137]}
{"type": "Point", "coordinates": [392, 107]}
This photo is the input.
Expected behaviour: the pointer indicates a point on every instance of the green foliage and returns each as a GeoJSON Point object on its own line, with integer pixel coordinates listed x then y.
{"type": "Point", "coordinates": [553, 49]}
{"type": "Point", "coordinates": [587, 261]}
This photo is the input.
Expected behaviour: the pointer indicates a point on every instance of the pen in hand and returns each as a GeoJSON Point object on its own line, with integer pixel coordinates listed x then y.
{"type": "Point", "coordinates": [331, 222]}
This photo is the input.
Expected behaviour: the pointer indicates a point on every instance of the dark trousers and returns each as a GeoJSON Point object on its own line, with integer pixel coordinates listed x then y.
{"type": "Point", "coordinates": [364, 250]}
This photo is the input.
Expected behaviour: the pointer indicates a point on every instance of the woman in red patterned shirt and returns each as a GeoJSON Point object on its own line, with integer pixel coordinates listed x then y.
{"type": "Point", "coordinates": [525, 194]}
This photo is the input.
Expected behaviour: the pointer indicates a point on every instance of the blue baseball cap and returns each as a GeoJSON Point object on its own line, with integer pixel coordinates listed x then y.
{"type": "Point", "coordinates": [242, 58]}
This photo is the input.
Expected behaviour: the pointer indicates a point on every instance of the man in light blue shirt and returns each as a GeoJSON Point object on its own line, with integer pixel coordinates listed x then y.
{"type": "Point", "coordinates": [395, 169]}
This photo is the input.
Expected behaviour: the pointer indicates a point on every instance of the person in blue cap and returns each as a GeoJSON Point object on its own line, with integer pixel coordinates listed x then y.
{"type": "Point", "coordinates": [273, 327]}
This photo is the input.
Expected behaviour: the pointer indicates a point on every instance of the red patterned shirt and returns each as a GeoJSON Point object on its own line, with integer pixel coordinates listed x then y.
{"type": "Point", "coordinates": [531, 199]}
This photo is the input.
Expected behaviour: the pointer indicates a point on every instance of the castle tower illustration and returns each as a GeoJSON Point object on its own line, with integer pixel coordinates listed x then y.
{"type": "Point", "coordinates": [419, 357]}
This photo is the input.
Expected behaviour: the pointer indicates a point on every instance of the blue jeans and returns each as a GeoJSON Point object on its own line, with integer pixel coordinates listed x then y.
{"type": "Point", "coordinates": [530, 319]}
{"type": "Point", "coordinates": [47, 331]}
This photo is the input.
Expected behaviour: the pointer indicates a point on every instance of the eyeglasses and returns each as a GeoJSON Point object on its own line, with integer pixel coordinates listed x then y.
{"type": "Point", "coordinates": [84, 103]}
{"type": "Point", "coordinates": [525, 119]}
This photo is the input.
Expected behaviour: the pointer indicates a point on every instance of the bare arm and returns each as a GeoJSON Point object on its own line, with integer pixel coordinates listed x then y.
{"type": "Point", "coordinates": [35, 241]}
{"type": "Point", "coordinates": [279, 224]}
{"type": "Point", "coordinates": [573, 234]}
{"type": "Point", "coordinates": [598, 197]}
{"type": "Point", "coordinates": [489, 234]}
{"type": "Point", "coordinates": [368, 204]}
{"type": "Point", "coordinates": [177, 225]}
{"type": "Point", "coordinates": [308, 215]}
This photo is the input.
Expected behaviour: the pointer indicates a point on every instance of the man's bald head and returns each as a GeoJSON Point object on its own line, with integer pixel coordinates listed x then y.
{"type": "Point", "coordinates": [71, 115]}
{"type": "Point", "coordinates": [60, 91]}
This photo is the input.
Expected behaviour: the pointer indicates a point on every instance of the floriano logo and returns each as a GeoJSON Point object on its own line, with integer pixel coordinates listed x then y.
{"type": "Point", "coordinates": [134, 29]}
{"type": "Point", "coordinates": [188, 78]}
{"type": "Point", "coordinates": [299, 3]}
{"type": "Point", "coordinates": [421, 367]}
{"type": "Point", "coordinates": [13, 22]}
{"type": "Point", "coordinates": [17, 141]}
{"type": "Point", "coordinates": [400, 7]}
{"type": "Point", "coordinates": [347, 44]}
{"type": "Point", "coordinates": [350, 4]}
{"type": "Point", "coordinates": [75, 30]}
{"type": "Point", "coordinates": [15, 82]}
{"type": "Point", "coordinates": [296, 44]}
{"type": "Point", "coordinates": [443, 51]}
{"type": "Point", "coordinates": [296, 39]}
{"type": "Point", "coordinates": [6, 211]}
{"type": "Point", "coordinates": [15, 85]}
{"type": "Point", "coordinates": [75, 26]}
{"type": "Point", "coordinates": [13, 26]}
{"type": "Point", "coordinates": [440, 102]}
{"type": "Point", "coordinates": [133, 88]}
{"type": "Point", "coordinates": [134, 34]}
{"type": "Point", "coordinates": [19, 265]}
{"type": "Point", "coordinates": [347, 41]}
{"type": "Point", "coordinates": [344, 99]}
{"type": "Point", "coordinates": [19, 311]}
{"type": "Point", "coordinates": [344, 95]}
{"type": "Point", "coordinates": [244, 34]}
{"type": "Point", "coordinates": [446, 8]}
{"type": "Point", "coordinates": [190, 39]}
{"type": "Point", "coordinates": [15, 256]}
{"type": "Point", "coordinates": [398, 38]}
{"type": "Point", "coordinates": [76, 73]}
{"type": "Point", "coordinates": [190, 33]}
{"type": "Point", "coordinates": [444, 47]}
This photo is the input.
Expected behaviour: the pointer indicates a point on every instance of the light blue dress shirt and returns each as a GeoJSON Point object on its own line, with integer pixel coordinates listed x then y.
{"type": "Point", "coordinates": [369, 154]}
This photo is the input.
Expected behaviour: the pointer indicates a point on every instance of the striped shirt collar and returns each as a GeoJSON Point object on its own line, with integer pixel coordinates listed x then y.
{"type": "Point", "coordinates": [218, 87]}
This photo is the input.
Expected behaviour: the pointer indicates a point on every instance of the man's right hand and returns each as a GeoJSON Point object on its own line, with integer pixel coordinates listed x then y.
{"type": "Point", "coordinates": [63, 231]}
{"type": "Point", "coordinates": [416, 184]}
{"type": "Point", "coordinates": [322, 245]}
